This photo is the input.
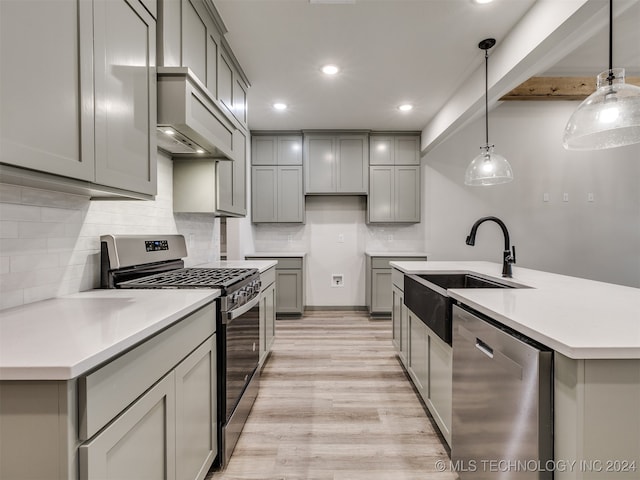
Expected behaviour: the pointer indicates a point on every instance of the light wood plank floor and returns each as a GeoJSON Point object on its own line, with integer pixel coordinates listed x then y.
{"type": "Point", "coordinates": [335, 404]}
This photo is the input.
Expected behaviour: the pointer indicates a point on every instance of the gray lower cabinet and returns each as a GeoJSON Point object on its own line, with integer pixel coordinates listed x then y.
{"type": "Point", "coordinates": [276, 194]}
{"type": "Point", "coordinates": [430, 367]}
{"type": "Point", "coordinates": [96, 119]}
{"type": "Point", "coordinates": [149, 413]}
{"type": "Point", "coordinates": [138, 444]}
{"type": "Point", "coordinates": [289, 278]}
{"type": "Point", "coordinates": [267, 312]}
{"type": "Point", "coordinates": [336, 163]}
{"type": "Point", "coordinates": [399, 317]}
{"type": "Point", "coordinates": [378, 292]}
{"type": "Point", "coordinates": [394, 194]}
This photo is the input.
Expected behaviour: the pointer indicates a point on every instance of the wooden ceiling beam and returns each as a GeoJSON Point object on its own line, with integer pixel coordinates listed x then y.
{"type": "Point", "coordinates": [558, 88]}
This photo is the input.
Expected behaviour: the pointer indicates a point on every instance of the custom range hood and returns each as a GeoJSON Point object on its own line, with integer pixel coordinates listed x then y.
{"type": "Point", "coordinates": [190, 122]}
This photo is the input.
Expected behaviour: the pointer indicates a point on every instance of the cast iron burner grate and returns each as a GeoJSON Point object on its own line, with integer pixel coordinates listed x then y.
{"type": "Point", "coordinates": [192, 278]}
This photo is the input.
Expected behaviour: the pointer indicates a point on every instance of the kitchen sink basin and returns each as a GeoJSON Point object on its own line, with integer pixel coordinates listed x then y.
{"type": "Point", "coordinates": [426, 295]}
{"type": "Point", "coordinates": [461, 280]}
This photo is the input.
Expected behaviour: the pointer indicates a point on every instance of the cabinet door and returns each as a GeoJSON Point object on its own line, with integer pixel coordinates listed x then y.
{"type": "Point", "coordinates": [194, 41]}
{"type": "Point", "coordinates": [289, 291]}
{"type": "Point", "coordinates": [196, 412]}
{"type": "Point", "coordinates": [396, 315]}
{"type": "Point", "coordinates": [270, 317]}
{"type": "Point", "coordinates": [290, 196]}
{"type": "Point", "coordinates": [46, 86]}
{"type": "Point", "coordinates": [407, 150]}
{"type": "Point", "coordinates": [264, 150]}
{"type": "Point", "coordinates": [264, 194]}
{"type": "Point", "coordinates": [440, 383]}
{"type": "Point", "coordinates": [381, 297]}
{"type": "Point", "coordinates": [418, 353]}
{"type": "Point", "coordinates": [262, 316]}
{"type": "Point", "coordinates": [380, 204]}
{"type": "Point", "coordinates": [140, 443]}
{"type": "Point", "coordinates": [353, 164]}
{"type": "Point", "coordinates": [290, 150]}
{"type": "Point", "coordinates": [381, 150]}
{"type": "Point", "coordinates": [125, 95]}
{"type": "Point", "coordinates": [407, 194]}
{"type": "Point", "coordinates": [240, 101]}
{"type": "Point", "coordinates": [320, 167]}
{"type": "Point", "coordinates": [225, 81]}
{"type": "Point", "coordinates": [404, 334]}
{"type": "Point", "coordinates": [194, 185]}
{"type": "Point", "coordinates": [231, 179]}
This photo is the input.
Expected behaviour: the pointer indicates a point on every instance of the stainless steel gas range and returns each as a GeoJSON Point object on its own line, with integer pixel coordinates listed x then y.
{"type": "Point", "coordinates": [157, 261]}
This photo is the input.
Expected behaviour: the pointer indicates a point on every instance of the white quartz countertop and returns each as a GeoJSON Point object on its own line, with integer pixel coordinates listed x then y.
{"type": "Point", "coordinates": [276, 254]}
{"type": "Point", "coordinates": [62, 338]}
{"type": "Point", "coordinates": [579, 318]}
{"type": "Point", "coordinates": [261, 265]}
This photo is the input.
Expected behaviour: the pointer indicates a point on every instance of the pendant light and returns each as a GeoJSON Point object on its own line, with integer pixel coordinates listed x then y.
{"type": "Point", "coordinates": [609, 117]}
{"type": "Point", "coordinates": [488, 168]}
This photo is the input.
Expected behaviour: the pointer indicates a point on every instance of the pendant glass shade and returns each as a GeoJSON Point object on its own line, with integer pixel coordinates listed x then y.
{"type": "Point", "coordinates": [488, 168]}
{"type": "Point", "coordinates": [608, 118]}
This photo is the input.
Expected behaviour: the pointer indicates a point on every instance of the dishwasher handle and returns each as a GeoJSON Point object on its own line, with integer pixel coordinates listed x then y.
{"type": "Point", "coordinates": [484, 348]}
{"type": "Point", "coordinates": [506, 362]}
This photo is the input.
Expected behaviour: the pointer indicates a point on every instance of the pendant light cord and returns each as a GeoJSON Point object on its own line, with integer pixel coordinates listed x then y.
{"type": "Point", "coordinates": [486, 95]}
{"type": "Point", "coordinates": [611, 75]}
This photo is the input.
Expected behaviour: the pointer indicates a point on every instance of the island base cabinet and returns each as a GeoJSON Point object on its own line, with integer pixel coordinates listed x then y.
{"type": "Point", "coordinates": [418, 354]}
{"type": "Point", "coordinates": [267, 320]}
{"type": "Point", "coordinates": [138, 444]}
{"type": "Point", "coordinates": [440, 388]}
{"type": "Point", "coordinates": [397, 300]}
{"type": "Point", "coordinates": [597, 418]}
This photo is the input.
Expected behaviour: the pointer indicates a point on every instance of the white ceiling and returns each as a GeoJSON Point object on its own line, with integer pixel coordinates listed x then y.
{"type": "Point", "coordinates": [390, 52]}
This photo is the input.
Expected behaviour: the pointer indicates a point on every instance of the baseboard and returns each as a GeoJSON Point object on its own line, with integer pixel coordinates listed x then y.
{"type": "Point", "coordinates": [341, 308]}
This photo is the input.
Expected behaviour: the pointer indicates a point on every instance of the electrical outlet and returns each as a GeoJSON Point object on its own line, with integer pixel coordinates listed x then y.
{"type": "Point", "coordinates": [545, 197]}
{"type": "Point", "coordinates": [565, 197]}
{"type": "Point", "coordinates": [341, 238]}
{"type": "Point", "coordinates": [337, 280]}
{"type": "Point", "coordinates": [390, 238]}
{"type": "Point", "coordinates": [289, 238]}
{"type": "Point", "coordinates": [590, 197]}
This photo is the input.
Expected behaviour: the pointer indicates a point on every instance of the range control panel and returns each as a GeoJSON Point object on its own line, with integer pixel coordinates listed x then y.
{"type": "Point", "coordinates": [156, 245]}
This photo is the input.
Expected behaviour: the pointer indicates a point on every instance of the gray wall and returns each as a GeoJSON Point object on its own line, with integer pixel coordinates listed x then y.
{"type": "Point", "coordinates": [598, 240]}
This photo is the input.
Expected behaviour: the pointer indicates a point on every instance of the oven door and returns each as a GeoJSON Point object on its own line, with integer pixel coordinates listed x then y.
{"type": "Point", "coordinates": [240, 347]}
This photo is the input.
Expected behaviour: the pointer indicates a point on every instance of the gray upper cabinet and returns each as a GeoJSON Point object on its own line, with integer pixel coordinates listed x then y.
{"type": "Point", "coordinates": [231, 178]}
{"type": "Point", "coordinates": [99, 57]}
{"type": "Point", "coordinates": [336, 163]}
{"type": "Point", "coordinates": [394, 150]}
{"type": "Point", "coordinates": [192, 36]}
{"type": "Point", "coordinates": [125, 95]}
{"type": "Point", "coordinates": [394, 179]}
{"type": "Point", "coordinates": [276, 179]}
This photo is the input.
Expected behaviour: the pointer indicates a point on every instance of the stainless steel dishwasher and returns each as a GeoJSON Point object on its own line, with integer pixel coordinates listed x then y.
{"type": "Point", "coordinates": [502, 424]}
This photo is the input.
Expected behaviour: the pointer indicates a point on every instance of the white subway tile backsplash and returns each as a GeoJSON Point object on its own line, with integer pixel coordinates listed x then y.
{"type": "Point", "coordinates": [22, 246]}
{"type": "Point", "coordinates": [50, 241]}
{"type": "Point", "coordinates": [23, 213]}
{"type": "Point", "coordinates": [9, 229]}
{"type": "Point", "coordinates": [28, 263]}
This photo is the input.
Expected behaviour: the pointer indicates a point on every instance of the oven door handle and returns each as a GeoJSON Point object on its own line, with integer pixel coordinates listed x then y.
{"type": "Point", "coordinates": [235, 313]}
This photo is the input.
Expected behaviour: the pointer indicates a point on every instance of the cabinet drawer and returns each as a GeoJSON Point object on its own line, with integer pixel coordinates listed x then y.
{"type": "Point", "coordinates": [104, 393]}
{"type": "Point", "coordinates": [267, 278]}
{"type": "Point", "coordinates": [397, 279]}
{"type": "Point", "coordinates": [383, 262]}
{"type": "Point", "coordinates": [290, 263]}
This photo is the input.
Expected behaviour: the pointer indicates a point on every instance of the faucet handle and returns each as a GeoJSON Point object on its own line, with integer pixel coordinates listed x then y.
{"type": "Point", "coordinates": [513, 254]}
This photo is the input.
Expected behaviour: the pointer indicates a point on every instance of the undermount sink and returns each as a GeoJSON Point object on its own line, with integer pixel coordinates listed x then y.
{"type": "Point", "coordinates": [462, 280]}
{"type": "Point", "coordinates": [426, 295]}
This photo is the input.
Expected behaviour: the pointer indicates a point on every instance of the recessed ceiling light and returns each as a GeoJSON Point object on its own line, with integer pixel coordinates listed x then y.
{"type": "Point", "coordinates": [405, 107]}
{"type": "Point", "coordinates": [168, 131]}
{"type": "Point", "coordinates": [330, 69]}
{"type": "Point", "coordinates": [199, 150]}
{"type": "Point", "coordinates": [280, 106]}
{"type": "Point", "coordinates": [482, 2]}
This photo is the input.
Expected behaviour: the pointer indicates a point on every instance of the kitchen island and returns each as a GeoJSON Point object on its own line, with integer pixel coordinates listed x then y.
{"type": "Point", "coordinates": [593, 329]}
